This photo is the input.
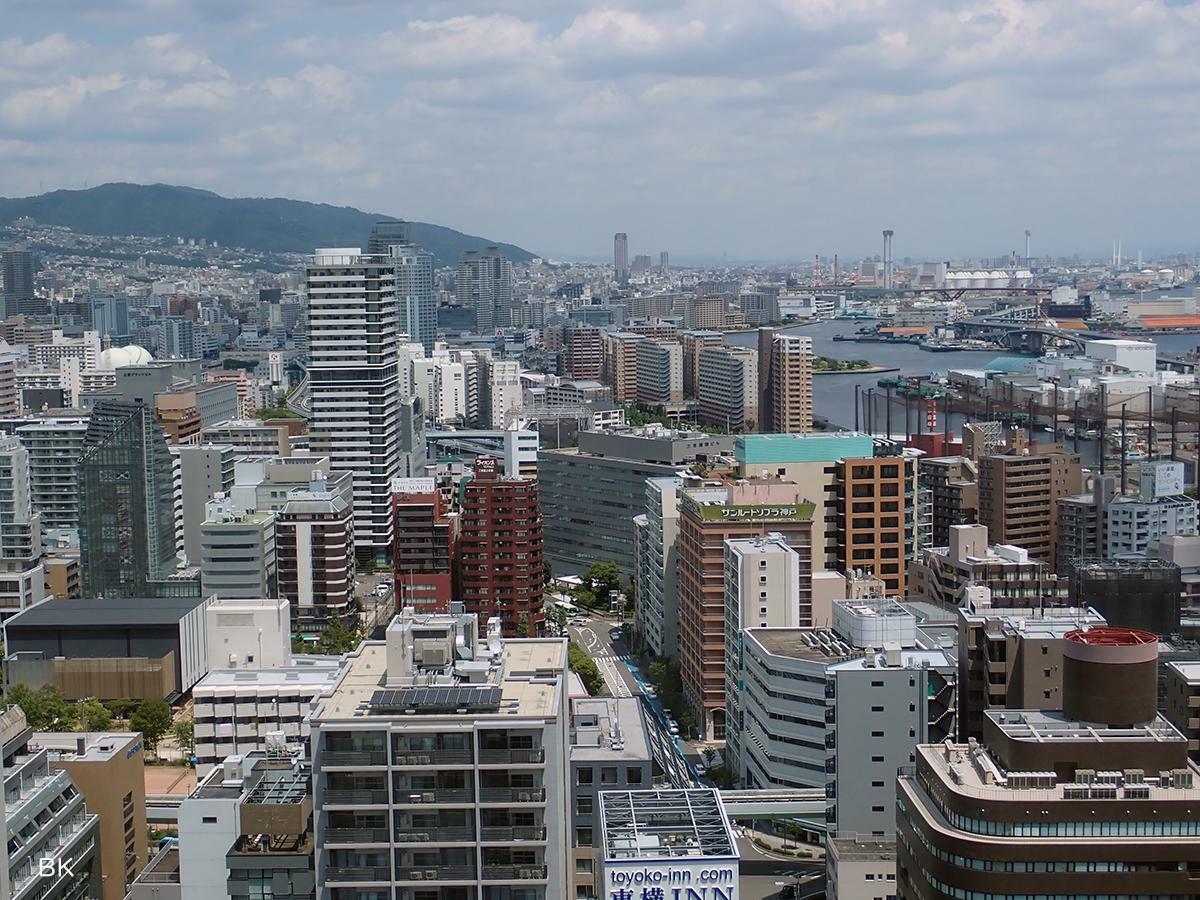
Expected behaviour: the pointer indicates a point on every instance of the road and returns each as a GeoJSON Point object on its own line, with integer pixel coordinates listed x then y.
{"type": "Point", "coordinates": [763, 872]}
{"type": "Point", "coordinates": [610, 655]}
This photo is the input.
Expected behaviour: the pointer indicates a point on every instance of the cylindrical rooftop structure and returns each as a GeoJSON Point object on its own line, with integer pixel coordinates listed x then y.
{"type": "Point", "coordinates": [1110, 676]}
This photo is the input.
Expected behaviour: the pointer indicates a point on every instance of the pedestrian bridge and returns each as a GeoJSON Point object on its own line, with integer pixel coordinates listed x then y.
{"type": "Point", "coordinates": [776, 803]}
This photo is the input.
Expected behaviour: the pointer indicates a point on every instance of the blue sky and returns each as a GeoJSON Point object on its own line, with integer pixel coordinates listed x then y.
{"type": "Point", "coordinates": [767, 129]}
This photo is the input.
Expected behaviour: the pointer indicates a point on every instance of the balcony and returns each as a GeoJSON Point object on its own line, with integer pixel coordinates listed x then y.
{"type": "Point", "coordinates": [355, 798]}
{"type": "Point", "coordinates": [353, 758]}
{"type": "Point", "coordinates": [436, 873]}
{"type": "Point", "coordinates": [507, 833]}
{"type": "Point", "coordinates": [357, 874]}
{"type": "Point", "coordinates": [432, 757]}
{"type": "Point", "coordinates": [355, 836]}
{"type": "Point", "coordinates": [511, 757]}
{"type": "Point", "coordinates": [529, 872]}
{"type": "Point", "coordinates": [512, 795]}
{"type": "Point", "coordinates": [437, 795]}
{"type": "Point", "coordinates": [437, 834]}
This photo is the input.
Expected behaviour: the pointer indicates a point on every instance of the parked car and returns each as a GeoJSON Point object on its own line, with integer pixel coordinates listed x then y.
{"type": "Point", "coordinates": [701, 771]}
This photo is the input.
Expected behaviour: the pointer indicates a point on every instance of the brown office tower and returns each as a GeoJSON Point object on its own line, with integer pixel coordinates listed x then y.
{"type": "Point", "coordinates": [791, 383]}
{"type": "Point", "coordinates": [951, 489]}
{"type": "Point", "coordinates": [314, 552]}
{"type": "Point", "coordinates": [766, 338]}
{"type": "Point", "coordinates": [425, 546]}
{"type": "Point", "coordinates": [873, 529]}
{"type": "Point", "coordinates": [1018, 494]}
{"type": "Point", "coordinates": [107, 769]}
{"type": "Point", "coordinates": [583, 353]}
{"type": "Point", "coordinates": [1012, 658]}
{"type": "Point", "coordinates": [620, 365]}
{"type": "Point", "coordinates": [709, 516]}
{"type": "Point", "coordinates": [1096, 800]}
{"type": "Point", "coordinates": [500, 549]}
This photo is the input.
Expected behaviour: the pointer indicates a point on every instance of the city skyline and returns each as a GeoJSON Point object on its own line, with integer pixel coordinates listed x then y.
{"type": "Point", "coordinates": [807, 128]}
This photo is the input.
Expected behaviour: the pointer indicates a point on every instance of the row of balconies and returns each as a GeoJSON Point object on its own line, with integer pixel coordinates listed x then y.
{"type": "Point", "coordinates": [416, 797]}
{"type": "Point", "coordinates": [494, 834]}
{"type": "Point", "coordinates": [357, 758]}
{"type": "Point", "coordinates": [383, 874]}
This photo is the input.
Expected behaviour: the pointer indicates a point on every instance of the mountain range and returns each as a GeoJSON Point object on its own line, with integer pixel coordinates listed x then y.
{"type": "Point", "coordinates": [270, 224]}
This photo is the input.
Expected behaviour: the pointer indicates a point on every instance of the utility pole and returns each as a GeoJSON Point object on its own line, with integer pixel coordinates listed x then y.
{"type": "Point", "coordinates": [1077, 427]}
{"type": "Point", "coordinates": [1151, 437]}
{"type": "Point", "coordinates": [1124, 442]}
{"type": "Point", "coordinates": [1054, 422]}
{"type": "Point", "coordinates": [1174, 436]}
{"type": "Point", "coordinates": [1103, 424]}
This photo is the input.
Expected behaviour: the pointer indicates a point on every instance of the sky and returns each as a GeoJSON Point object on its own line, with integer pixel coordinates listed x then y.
{"type": "Point", "coordinates": [738, 129]}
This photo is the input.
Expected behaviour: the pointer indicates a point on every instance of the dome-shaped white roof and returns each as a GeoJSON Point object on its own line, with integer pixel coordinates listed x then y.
{"type": "Point", "coordinates": [119, 357]}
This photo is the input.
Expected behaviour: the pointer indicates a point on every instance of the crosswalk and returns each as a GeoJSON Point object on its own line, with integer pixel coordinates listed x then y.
{"type": "Point", "coordinates": [611, 667]}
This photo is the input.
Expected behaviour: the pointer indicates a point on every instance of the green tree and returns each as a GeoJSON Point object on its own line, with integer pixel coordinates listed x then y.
{"type": "Point", "coordinates": [45, 709]}
{"type": "Point", "coordinates": [585, 667]}
{"type": "Point", "coordinates": [603, 577]}
{"type": "Point", "coordinates": [184, 732]}
{"type": "Point", "coordinates": [557, 616]}
{"type": "Point", "coordinates": [523, 625]}
{"type": "Point", "coordinates": [93, 715]}
{"type": "Point", "coordinates": [153, 720]}
{"type": "Point", "coordinates": [341, 635]}
{"type": "Point", "coordinates": [122, 709]}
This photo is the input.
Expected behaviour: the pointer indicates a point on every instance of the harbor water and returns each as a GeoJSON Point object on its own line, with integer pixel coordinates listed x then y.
{"type": "Point", "coordinates": [834, 394]}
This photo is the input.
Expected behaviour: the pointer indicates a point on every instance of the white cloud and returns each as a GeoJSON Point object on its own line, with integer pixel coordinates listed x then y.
{"type": "Point", "coordinates": [795, 124]}
{"type": "Point", "coordinates": [51, 49]}
{"type": "Point", "coordinates": [46, 105]}
{"type": "Point", "coordinates": [168, 54]}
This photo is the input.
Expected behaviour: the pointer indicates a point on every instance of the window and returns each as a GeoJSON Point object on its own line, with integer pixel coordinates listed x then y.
{"type": "Point", "coordinates": [876, 734]}
{"type": "Point", "coordinates": [876, 709]}
{"type": "Point", "coordinates": [876, 809]}
{"type": "Point", "coordinates": [584, 776]}
{"type": "Point", "coordinates": [583, 837]}
{"type": "Point", "coordinates": [583, 866]}
{"type": "Point", "coordinates": [876, 684]}
{"type": "Point", "coordinates": [876, 759]}
{"type": "Point", "coordinates": [633, 775]}
{"type": "Point", "coordinates": [876, 784]}
{"type": "Point", "coordinates": [608, 775]}
{"type": "Point", "coordinates": [209, 820]}
{"type": "Point", "coordinates": [583, 805]}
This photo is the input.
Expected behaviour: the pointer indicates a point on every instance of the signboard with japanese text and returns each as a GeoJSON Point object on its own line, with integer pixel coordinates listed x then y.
{"type": "Point", "coordinates": [765, 512]}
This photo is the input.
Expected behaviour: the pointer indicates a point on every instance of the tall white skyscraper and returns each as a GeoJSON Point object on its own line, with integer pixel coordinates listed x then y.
{"type": "Point", "coordinates": [621, 256]}
{"type": "Point", "coordinates": [414, 280]}
{"type": "Point", "coordinates": [484, 283]}
{"type": "Point", "coordinates": [354, 382]}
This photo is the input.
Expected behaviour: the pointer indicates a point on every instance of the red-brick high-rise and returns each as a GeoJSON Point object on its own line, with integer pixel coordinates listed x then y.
{"type": "Point", "coordinates": [500, 549]}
